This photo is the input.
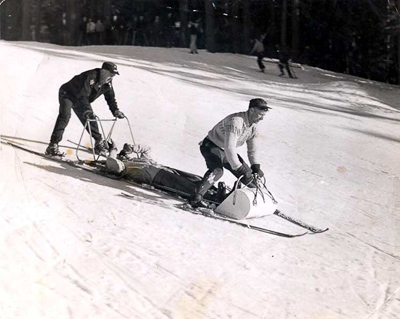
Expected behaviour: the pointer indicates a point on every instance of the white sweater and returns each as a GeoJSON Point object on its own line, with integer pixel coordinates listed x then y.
{"type": "Point", "coordinates": [231, 133]}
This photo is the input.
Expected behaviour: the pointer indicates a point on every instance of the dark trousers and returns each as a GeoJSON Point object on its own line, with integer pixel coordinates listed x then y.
{"type": "Point", "coordinates": [286, 66]}
{"type": "Point", "coordinates": [177, 181]}
{"type": "Point", "coordinates": [216, 158]}
{"type": "Point", "coordinates": [64, 116]}
{"type": "Point", "coordinates": [260, 63]}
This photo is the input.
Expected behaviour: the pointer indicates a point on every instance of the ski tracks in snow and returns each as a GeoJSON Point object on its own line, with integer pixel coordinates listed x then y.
{"type": "Point", "coordinates": [19, 171]}
{"type": "Point", "coordinates": [380, 307]}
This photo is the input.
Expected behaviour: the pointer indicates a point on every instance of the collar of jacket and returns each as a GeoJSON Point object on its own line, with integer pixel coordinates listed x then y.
{"type": "Point", "coordinates": [103, 75]}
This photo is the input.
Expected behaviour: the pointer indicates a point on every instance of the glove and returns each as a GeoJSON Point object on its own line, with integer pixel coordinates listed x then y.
{"type": "Point", "coordinates": [246, 173]}
{"type": "Point", "coordinates": [255, 168]}
{"type": "Point", "coordinates": [89, 115]}
{"type": "Point", "coordinates": [119, 114]}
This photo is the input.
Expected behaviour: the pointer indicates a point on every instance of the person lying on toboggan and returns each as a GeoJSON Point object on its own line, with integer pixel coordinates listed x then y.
{"type": "Point", "coordinates": [133, 163]}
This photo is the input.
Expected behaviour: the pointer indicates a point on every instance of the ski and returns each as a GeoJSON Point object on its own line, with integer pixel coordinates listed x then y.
{"type": "Point", "coordinates": [206, 212]}
{"type": "Point", "coordinates": [211, 214]}
{"type": "Point", "coordinates": [83, 147]}
{"type": "Point", "coordinates": [300, 223]}
{"type": "Point", "coordinates": [77, 164]}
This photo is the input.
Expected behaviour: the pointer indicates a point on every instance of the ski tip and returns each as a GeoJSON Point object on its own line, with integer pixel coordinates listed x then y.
{"type": "Point", "coordinates": [320, 231]}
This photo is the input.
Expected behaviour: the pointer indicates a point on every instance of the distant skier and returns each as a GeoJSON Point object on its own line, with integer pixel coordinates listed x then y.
{"type": "Point", "coordinates": [193, 37]}
{"type": "Point", "coordinates": [258, 49]}
{"type": "Point", "coordinates": [284, 58]}
{"type": "Point", "coordinates": [77, 94]}
{"type": "Point", "coordinates": [219, 148]}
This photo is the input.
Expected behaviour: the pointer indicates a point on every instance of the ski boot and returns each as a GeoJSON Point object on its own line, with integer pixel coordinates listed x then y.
{"type": "Point", "coordinates": [52, 150]}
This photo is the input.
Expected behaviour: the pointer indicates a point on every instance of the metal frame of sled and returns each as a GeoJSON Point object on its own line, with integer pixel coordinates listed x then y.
{"type": "Point", "coordinates": [106, 137]}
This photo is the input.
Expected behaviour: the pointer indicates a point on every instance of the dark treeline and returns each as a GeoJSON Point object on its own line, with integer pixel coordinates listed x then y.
{"type": "Point", "coordinates": [358, 37]}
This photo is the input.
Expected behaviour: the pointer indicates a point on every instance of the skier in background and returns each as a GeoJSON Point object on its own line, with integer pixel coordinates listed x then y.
{"type": "Point", "coordinates": [91, 32]}
{"type": "Point", "coordinates": [168, 32]}
{"type": "Point", "coordinates": [193, 37]}
{"type": "Point", "coordinates": [258, 48]}
{"type": "Point", "coordinates": [82, 39]}
{"type": "Point", "coordinates": [284, 58]}
{"type": "Point", "coordinates": [77, 94]}
{"type": "Point", "coordinates": [219, 148]}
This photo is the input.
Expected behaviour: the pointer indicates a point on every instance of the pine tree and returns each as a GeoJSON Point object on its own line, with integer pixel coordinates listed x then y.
{"type": "Point", "coordinates": [210, 22]}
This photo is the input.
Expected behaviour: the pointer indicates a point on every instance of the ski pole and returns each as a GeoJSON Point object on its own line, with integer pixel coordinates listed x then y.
{"type": "Point", "coordinates": [294, 73]}
{"type": "Point", "coordinates": [292, 69]}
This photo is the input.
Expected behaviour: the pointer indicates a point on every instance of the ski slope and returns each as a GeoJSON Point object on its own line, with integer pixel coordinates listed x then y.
{"type": "Point", "coordinates": [72, 247]}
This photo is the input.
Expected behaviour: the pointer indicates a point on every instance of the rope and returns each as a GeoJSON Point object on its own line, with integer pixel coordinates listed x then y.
{"type": "Point", "coordinates": [258, 190]}
{"type": "Point", "coordinates": [269, 193]}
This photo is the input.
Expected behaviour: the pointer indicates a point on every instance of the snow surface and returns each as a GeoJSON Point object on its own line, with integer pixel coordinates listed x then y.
{"type": "Point", "coordinates": [72, 247]}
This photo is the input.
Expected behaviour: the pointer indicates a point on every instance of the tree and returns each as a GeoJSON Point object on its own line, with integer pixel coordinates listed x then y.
{"type": "Point", "coordinates": [284, 23]}
{"type": "Point", "coordinates": [295, 28]}
{"type": "Point", "coordinates": [27, 20]}
{"type": "Point", "coordinates": [73, 20]}
{"type": "Point", "coordinates": [183, 6]}
{"type": "Point", "coordinates": [236, 27]}
{"type": "Point", "coordinates": [398, 42]}
{"type": "Point", "coordinates": [246, 25]}
{"type": "Point", "coordinates": [210, 22]}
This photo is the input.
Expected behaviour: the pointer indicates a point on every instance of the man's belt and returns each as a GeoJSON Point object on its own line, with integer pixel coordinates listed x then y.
{"type": "Point", "coordinates": [209, 144]}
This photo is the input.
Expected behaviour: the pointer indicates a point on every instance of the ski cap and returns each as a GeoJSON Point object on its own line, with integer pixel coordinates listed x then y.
{"type": "Point", "coordinates": [259, 103]}
{"type": "Point", "coordinates": [110, 66]}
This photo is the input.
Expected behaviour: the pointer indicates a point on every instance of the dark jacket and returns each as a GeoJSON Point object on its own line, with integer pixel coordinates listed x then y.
{"type": "Point", "coordinates": [284, 56]}
{"type": "Point", "coordinates": [86, 87]}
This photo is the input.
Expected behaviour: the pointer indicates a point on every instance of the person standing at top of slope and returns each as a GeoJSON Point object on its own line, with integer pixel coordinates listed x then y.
{"type": "Point", "coordinates": [77, 94]}
{"type": "Point", "coordinates": [219, 148]}
{"type": "Point", "coordinates": [258, 49]}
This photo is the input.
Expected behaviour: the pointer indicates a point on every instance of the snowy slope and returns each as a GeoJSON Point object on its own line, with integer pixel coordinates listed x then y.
{"type": "Point", "coordinates": [71, 247]}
